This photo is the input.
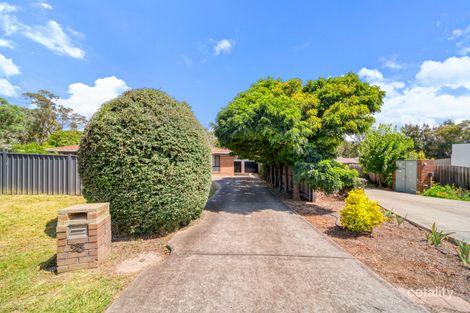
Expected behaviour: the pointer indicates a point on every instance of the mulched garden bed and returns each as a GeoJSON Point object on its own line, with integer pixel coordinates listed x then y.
{"type": "Point", "coordinates": [398, 253]}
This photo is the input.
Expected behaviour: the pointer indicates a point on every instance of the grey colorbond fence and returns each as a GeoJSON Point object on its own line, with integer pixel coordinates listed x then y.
{"type": "Point", "coordinates": [453, 175]}
{"type": "Point", "coordinates": [33, 174]}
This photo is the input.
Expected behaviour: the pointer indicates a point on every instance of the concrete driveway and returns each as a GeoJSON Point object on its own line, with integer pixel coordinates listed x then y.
{"type": "Point", "coordinates": [250, 253]}
{"type": "Point", "coordinates": [449, 215]}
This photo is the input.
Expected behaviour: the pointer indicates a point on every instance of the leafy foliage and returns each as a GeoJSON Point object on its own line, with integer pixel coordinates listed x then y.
{"type": "Point", "coordinates": [327, 176]}
{"type": "Point", "coordinates": [148, 156]}
{"type": "Point", "coordinates": [279, 122]}
{"type": "Point", "coordinates": [436, 142]}
{"type": "Point", "coordinates": [34, 148]}
{"type": "Point", "coordinates": [360, 214]}
{"type": "Point", "coordinates": [463, 251]}
{"type": "Point", "coordinates": [350, 148]}
{"type": "Point", "coordinates": [447, 192]}
{"type": "Point", "coordinates": [436, 235]}
{"type": "Point", "coordinates": [64, 138]}
{"type": "Point", "coordinates": [48, 117]}
{"type": "Point", "coordinates": [400, 219]}
{"type": "Point", "coordinates": [12, 122]}
{"type": "Point", "coordinates": [388, 214]}
{"type": "Point", "coordinates": [380, 150]}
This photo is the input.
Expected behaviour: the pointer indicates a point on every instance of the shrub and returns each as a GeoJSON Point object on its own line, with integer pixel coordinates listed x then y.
{"type": "Point", "coordinates": [33, 148]}
{"type": "Point", "coordinates": [447, 192]}
{"type": "Point", "coordinates": [64, 138]}
{"type": "Point", "coordinates": [463, 251]}
{"type": "Point", "coordinates": [436, 235]}
{"type": "Point", "coordinates": [400, 219]}
{"type": "Point", "coordinates": [148, 156]}
{"type": "Point", "coordinates": [360, 214]}
{"type": "Point", "coordinates": [328, 176]}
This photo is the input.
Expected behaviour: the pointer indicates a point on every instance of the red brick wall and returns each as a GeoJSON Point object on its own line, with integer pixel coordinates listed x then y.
{"type": "Point", "coordinates": [424, 167]}
{"type": "Point", "coordinates": [226, 166]}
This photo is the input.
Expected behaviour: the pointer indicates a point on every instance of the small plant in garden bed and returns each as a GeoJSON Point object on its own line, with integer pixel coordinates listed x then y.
{"type": "Point", "coordinates": [436, 235]}
{"type": "Point", "coordinates": [447, 192]}
{"type": "Point", "coordinates": [360, 214]}
{"type": "Point", "coordinates": [388, 214]}
{"type": "Point", "coordinates": [463, 251]}
{"type": "Point", "coordinates": [400, 220]}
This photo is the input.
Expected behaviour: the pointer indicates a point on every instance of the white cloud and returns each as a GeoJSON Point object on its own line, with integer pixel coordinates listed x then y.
{"type": "Point", "coordinates": [7, 89]}
{"type": "Point", "coordinates": [392, 63]}
{"type": "Point", "coordinates": [453, 72]}
{"type": "Point", "coordinates": [187, 61]}
{"type": "Point", "coordinates": [7, 8]}
{"type": "Point", "coordinates": [375, 77]}
{"type": "Point", "coordinates": [462, 38]}
{"type": "Point", "coordinates": [419, 104]}
{"type": "Point", "coordinates": [429, 98]}
{"type": "Point", "coordinates": [86, 100]}
{"type": "Point", "coordinates": [223, 46]}
{"type": "Point", "coordinates": [45, 5]}
{"type": "Point", "coordinates": [7, 67]}
{"type": "Point", "coordinates": [371, 75]}
{"type": "Point", "coordinates": [51, 35]}
{"type": "Point", "coordinates": [459, 32]}
{"type": "Point", "coordinates": [5, 43]}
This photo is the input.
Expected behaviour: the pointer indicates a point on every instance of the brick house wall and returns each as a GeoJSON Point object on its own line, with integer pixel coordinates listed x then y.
{"type": "Point", "coordinates": [226, 167]}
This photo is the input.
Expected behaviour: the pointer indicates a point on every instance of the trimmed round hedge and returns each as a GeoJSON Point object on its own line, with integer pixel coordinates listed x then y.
{"type": "Point", "coordinates": [146, 154]}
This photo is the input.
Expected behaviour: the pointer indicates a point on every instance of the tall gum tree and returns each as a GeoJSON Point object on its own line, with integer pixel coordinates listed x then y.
{"type": "Point", "coordinates": [288, 123]}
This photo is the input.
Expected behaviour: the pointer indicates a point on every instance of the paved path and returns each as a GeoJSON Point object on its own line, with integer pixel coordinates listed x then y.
{"type": "Point", "coordinates": [449, 215]}
{"type": "Point", "coordinates": [250, 253]}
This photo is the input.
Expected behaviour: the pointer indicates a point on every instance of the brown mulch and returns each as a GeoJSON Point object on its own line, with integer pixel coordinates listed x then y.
{"type": "Point", "coordinates": [398, 253]}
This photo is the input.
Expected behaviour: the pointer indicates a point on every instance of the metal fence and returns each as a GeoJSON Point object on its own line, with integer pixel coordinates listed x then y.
{"type": "Point", "coordinates": [453, 175]}
{"type": "Point", "coordinates": [39, 174]}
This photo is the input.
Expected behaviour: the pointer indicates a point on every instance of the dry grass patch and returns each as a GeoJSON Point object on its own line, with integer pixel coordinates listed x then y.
{"type": "Point", "coordinates": [28, 246]}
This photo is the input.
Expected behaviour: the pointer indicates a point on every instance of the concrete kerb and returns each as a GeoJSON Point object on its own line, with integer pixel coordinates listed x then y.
{"type": "Point", "coordinates": [420, 226]}
{"type": "Point", "coordinates": [362, 265]}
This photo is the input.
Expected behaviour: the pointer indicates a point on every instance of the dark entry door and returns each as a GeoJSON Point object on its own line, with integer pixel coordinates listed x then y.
{"type": "Point", "coordinates": [237, 166]}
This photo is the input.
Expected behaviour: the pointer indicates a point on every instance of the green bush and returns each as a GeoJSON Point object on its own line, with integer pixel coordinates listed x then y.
{"type": "Point", "coordinates": [360, 214]}
{"type": "Point", "coordinates": [328, 176]}
{"type": "Point", "coordinates": [64, 138]}
{"type": "Point", "coordinates": [447, 192]}
{"type": "Point", "coordinates": [148, 156]}
{"type": "Point", "coordinates": [33, 148]}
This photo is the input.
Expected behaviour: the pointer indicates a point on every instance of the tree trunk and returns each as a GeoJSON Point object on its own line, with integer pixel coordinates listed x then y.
{"type": "Point", "coordinates": [296, 191]}
{"type": "Point", "coordinates": [314, 196]}
{"type": "Point", "coordinates": [280, 177]}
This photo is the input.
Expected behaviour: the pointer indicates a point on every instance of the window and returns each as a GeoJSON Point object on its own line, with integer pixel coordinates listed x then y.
{"type": "Point", "coordinates": [216, 163]}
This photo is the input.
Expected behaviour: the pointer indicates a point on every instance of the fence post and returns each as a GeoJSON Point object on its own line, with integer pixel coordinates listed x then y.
{"type": "Point", "coordinates": [69, 174]}
{"type": "Point", "coordinates": [3, 177]}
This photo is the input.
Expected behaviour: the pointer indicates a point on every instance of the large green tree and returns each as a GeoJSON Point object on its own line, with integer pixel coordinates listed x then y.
{"type": "Point", "coordinates": [48, 116]}
{"type": "Point", "coordinates": [436, 142]}
{"type": "Point", "coordinates": [380, 150]}
{"type": "Point", "coordinates": [12, 122]}
{"type": "Point", "coordinates": [287, 123]}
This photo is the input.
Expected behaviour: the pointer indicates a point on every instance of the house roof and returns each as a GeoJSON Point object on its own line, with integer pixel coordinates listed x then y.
{"type": "Point", "coordinates": [347, 160]}
{"type": "Point", "coordinates": [220, 151]}
{"type": "Point", "coordinates": [73, 148]}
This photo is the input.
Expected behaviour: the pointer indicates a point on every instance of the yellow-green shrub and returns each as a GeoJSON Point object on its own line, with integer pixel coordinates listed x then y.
{"type": "Point", "coordinates": [360, 214]}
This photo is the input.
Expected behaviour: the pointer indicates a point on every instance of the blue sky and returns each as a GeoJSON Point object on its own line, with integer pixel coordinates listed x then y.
{"type": "Point", "coordinates": [205, 52]}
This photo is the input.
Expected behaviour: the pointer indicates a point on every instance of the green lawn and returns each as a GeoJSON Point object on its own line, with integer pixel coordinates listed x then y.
{"type": "Point", "coordinates": [27, 249]}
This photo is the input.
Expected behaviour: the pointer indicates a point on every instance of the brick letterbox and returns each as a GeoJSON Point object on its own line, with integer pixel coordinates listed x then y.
{"type": "Point", "coordinates": [83, 236]}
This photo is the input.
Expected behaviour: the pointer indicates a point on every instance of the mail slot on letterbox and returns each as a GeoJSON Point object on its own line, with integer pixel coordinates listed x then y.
{"type": "Point", "coordinates": [83, 236]}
